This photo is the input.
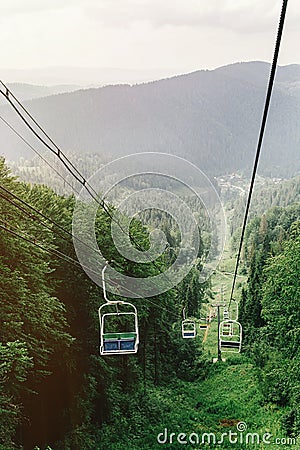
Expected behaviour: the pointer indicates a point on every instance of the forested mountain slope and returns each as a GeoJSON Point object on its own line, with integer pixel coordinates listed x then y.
{"type": "Point", "coordinates": [55, 387]}
{"type": "Point", "coordinates": [26, 91]}
{"type": "Point", "coordinates": [269, 308]}
{"type": "Point", "coordinates": [268, 195]}
{"type": "Point", "coordinates": [211, 118]}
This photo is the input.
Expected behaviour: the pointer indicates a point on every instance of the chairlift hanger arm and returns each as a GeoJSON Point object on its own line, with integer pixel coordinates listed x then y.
{"type": "Point", "coordinates": [103, 281]}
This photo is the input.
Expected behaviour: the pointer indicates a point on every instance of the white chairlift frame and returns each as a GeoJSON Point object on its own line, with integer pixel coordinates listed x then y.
{"type": "Point", "coordinates": [226, 314]}
{"type": "Point", "coordinates": [203, 323]}
{"type": "Point", "coordinates": [224, 338]}
{"type": "Point", "coordinates": [204, 320]}
{"type": "Point", "coordinates": [191, 331]}
{"type": "Point", "coordinates": [118, 314]}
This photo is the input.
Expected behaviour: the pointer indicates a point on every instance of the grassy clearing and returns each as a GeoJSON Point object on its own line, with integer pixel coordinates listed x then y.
{"type": "Point", "coordinates": [229, 395]}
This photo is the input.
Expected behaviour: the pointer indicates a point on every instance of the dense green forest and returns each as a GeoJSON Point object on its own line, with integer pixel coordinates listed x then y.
{"type": "Point", "coordinates": [55, 387]}
{"type": "Point", "coordinates": [270, 309]}
{"type": "Point", "coordinates": [268, 195]}
{"type": "Point", "coordinates": [58, 392]}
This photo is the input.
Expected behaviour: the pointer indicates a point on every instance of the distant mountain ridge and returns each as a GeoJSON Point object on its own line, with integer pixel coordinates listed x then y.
{"type": "Point", "coordinates": [25, 91]}
{"type": "Point", "coordinates": [83, 76]}
{"type": "Point", "coordinates": [210, 117]}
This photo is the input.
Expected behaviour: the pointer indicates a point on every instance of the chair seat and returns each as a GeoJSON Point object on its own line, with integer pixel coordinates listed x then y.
{"type": "Point", "coordinates": [230, 344]}
{"type": "Point", "coordinates": [118, 342]}
{"type": "Point", "coordinates": [189, 333]}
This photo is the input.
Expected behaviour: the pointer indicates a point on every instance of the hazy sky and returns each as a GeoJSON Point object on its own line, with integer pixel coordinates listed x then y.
{"type": "Point", "coordinates": [144, 34]}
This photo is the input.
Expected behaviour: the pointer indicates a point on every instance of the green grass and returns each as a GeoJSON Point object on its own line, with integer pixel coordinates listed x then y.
{"type": "Point", "coordinates": [227, 396]}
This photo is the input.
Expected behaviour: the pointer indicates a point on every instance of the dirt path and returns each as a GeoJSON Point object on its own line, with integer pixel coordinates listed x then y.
{"type": "Point", "coordinates": [207, 329]}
